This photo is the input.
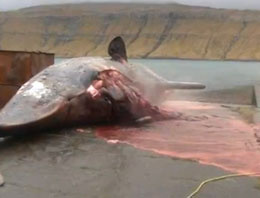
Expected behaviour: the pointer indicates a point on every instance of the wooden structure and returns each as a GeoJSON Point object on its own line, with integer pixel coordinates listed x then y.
{"type": "Point", "coordinates": [257, 95]}
{"type": "Point", "coordinates": [17, 67]}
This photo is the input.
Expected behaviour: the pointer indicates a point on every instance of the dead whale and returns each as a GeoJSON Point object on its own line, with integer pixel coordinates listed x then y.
{"type": "Point", "coordinates": [82, 90]}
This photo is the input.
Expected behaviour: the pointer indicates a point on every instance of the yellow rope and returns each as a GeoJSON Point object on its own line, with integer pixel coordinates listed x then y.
{"type": "Point", "coordinates": [217, 179]}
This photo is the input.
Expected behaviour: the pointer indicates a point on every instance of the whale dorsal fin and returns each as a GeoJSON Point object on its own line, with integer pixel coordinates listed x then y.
{"type": "Point", "coordinates": [116, 50]}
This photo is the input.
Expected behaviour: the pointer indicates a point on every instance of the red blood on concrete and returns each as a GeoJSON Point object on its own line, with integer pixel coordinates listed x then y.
{"type": "Point", "coordinates": [214, 135]}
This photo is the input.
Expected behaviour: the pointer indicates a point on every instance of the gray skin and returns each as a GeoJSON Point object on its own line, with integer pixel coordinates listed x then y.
{"type": "Point", "coordinates": [84, 90]}
{"type": "Point", "coordinates": [61, 95]}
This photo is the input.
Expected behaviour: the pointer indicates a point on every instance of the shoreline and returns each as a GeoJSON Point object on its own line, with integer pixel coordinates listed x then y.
{"type": "Point", "coordinates": [175, 58]}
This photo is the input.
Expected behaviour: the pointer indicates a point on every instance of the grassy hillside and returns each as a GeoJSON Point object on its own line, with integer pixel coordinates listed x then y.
{"type": "Point", "coordinates": [155, 31]}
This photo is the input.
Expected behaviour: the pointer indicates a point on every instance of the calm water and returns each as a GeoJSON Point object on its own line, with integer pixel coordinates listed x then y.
{"type": "Point", "coordinates": [215, 74]}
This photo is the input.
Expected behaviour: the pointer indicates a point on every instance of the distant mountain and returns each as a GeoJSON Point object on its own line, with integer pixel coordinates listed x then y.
{"type": "Point", "coordinates": [155, 31]}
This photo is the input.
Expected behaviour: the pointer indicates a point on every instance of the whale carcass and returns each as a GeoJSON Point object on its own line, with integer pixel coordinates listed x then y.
{"type": "Point", "coordinates": [82, 90]}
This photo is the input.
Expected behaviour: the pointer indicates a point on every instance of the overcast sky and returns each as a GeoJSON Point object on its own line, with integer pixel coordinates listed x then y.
{"type": "Point", "coordinates": [239, 4]}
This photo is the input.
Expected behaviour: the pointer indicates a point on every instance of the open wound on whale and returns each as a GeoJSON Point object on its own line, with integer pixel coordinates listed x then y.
{"type": "Point", "coordinates": [217, 137]}
{"type": "Point", "coordinates": [125, 100]}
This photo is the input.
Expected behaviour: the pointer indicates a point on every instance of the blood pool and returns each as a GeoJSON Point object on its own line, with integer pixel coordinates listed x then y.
{"type": "Point", "coordinates": [209, 133]}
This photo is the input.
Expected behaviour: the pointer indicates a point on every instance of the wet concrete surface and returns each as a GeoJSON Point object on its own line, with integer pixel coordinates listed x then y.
{"type": "Point", "coordinates": [76, 164]}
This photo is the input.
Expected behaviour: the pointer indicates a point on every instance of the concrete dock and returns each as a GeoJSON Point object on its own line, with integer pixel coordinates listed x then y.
{"type": "Point", "coordinates": [76, 164]}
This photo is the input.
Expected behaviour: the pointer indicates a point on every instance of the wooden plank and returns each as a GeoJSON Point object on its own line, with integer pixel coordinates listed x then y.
{"type": "Point", "coordinates": [6, 93]}
{"type": "Point", "coordinates": [16, 68]}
